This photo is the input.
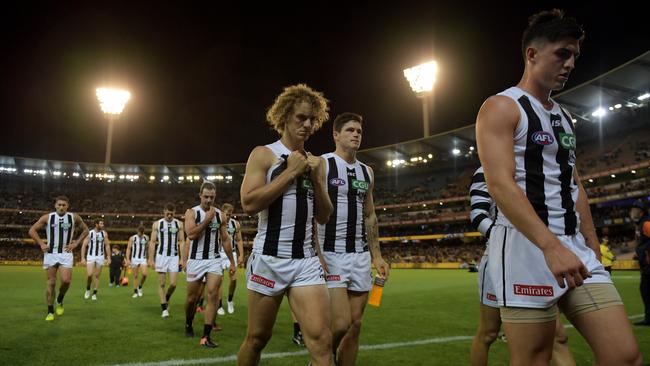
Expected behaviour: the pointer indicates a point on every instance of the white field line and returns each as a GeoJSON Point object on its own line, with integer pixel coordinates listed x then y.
{"type": "Point", "coordinates": [266, 356]}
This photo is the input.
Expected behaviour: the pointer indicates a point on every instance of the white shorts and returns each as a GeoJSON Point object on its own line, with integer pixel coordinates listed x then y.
{"type": "Point", "coordinates": [138, 261]}
{"type": "Point", "coordinates": [271, 275]}
{"type": "Point", "coordinates": [519, 272]}
{"type": "Point", "coordinates": [99, 260]}
{"type": "Point", "coordinates": [349, 270]}
{"type": "Point", "coordinates": [485, 287]}
{"type": "Point", "coordinates": [166, 264]}
{"type": "Point", "coordinates": [225, 263]}
{"type": "Point", "coordinates": [53, 259]}
{"type": "Point", "coordinates": [197, 268]}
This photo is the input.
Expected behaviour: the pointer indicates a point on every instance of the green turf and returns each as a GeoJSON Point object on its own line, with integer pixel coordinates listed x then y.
{"type": "Point", "coordinates": [417, 305]}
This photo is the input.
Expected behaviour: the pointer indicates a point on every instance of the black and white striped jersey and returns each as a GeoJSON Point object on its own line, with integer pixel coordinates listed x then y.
{"type": "Point", "coordinates": [284, 229]}
{"type": "Point", "coordinates": [544, 147]}
{"type": "Point", "coordinates": [206, 245]}
{"type": "Point", "coordinates": [483, 207]}
{"type": "Point", "coordinates": [60, 230]}
{"type": "Point", "coordinates": [96, 243]}
{"type": "Point", "coordinates": [139, 246]}
{"type": "Point", "coordinates": [347, 186]}
{"type": "Point", "coordinates": [232, 231]}
{"type": "Point", "coordinates": [167, 235]}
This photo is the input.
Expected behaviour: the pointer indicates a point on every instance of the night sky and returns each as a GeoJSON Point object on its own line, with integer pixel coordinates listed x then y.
{"type": "Point", "coordinates": [202, 78]}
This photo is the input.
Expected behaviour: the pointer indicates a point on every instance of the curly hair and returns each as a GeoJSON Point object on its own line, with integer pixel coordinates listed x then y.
{"type": "Point", "coordinates": [283, 106]}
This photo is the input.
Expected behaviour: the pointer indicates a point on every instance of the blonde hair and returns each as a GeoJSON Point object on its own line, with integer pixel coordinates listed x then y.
{"type": "Point", "coordinates": [292, 95]}
{"type": "Point", "coordinates": [227, 206]}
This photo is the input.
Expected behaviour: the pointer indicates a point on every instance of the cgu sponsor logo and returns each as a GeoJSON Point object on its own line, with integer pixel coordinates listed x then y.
{"type": "Point", "coordinates": [491, 297]}
{"type": "Point", "coordinates": [533, 290]}
{"type": "Point", "coordinates": [338, 182]}
{"type": "Point", "coordinates": [263, 281]}
{"type": "Point", "coordinates": [360, 185]}
{"type": "Point", "coordinates": [542, 138]}
{"type": "Point", "coordinates": [333, 278]}
{"type": "Point", "coordinates": [568, 141]}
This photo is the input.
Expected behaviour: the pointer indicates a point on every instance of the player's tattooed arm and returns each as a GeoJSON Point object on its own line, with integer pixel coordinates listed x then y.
{"type": "Point", "coordinates": [79, 222]}
{"type": "Point", "coordinates": [33, 232]}
{"type": "Point", "coordinates": [372, 231]}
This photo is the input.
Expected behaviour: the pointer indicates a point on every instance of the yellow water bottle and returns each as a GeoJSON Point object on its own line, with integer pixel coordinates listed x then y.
{"type": "Point", "coordinates": [377, 290]}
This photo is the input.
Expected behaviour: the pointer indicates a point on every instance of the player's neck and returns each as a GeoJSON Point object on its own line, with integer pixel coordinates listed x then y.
{"type": "Point", "coordinates": [542, 94]}
{"type": "Point", "coordinates": [349, 155]}
{"type": "Point", "coordinates": [205, 208]}
{"type": "Point", "coordinates": [292, 144]}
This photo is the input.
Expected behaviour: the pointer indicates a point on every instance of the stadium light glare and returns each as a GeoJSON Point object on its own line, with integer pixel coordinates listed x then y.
{"type": "Point", "coordinates": [75, 174]}
{"type": "Point", "coordinates": [165, 178]}
{"type": "Point", "coordinates": [56, 173]}
{"type": "Point", "coordinates": [389, 163]}
{"type": "Point", "coordinates": [600, 112]}
{"type": "Point", "coordinates": [471, 148]}
{"type": "Point", "coordinates": [613, 175]}
{"type": "Point", "coordinates": [455, 151]}
{"type": "Point", "coordinates": [421, 79]}
{"type": "Point", "coordinates": [196, 177]}
{"type": "Point", "coordinates": [151, 177]}
{"type": "Point", "coordinates": [181, 178]}
{"type": "Point", "coordinates": [112, 102]}
{"type": "Point", "coordinates": [591, 180]}
{"type": "Point", "coordinates": [414, 159]}
{"type": "Point", "coordinates": [228, 177]}
{"type": "Point", "coordinates": [611, 108]}
{"type": "Point", "coordinates": [643, 96]}
{"type": "Point", "coordinates": [574, 120]}
{"type": "Point", "coordinates": [430, 156]}
{"type": "Point", "coordinates": [425, 161]}
{"type": "Point", "coordinates": [633, 171]}
{"type": "Point", "coordinates": [618, 106]}
{"type": "Point", "coordinates": [441, 203]}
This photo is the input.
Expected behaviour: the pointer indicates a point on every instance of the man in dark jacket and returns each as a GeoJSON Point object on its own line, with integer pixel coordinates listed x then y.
{"type": "Point", "coordinates": [639, 214]}
{"type": "Point", "coordinates": [117, 260]}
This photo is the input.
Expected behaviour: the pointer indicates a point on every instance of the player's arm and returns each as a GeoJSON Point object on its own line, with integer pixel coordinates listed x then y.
{"type": "Point", "coordinates": [152, 244]}
{"type": "Point", "coordinates": [189, 221]}
{"type": "Point", "coordinates": [256, 194]}
{"type": "Point", "coordinates": [194, 230]}
{"type": "Point", "coordinates": [495, 125]}
{"type": "Point", "coordinates": [372, 231]}
{"type": "Point", "coordinates": [481, 201]}
{"type": "Point", "coordinates": [587, 228]}
{"type": "Point", "coordinates": [127, 259]}
{"type": "Point", "coordinates": [227, 243]}
{"type": "Point", "coordinates": [240, 243]}
{"type": "Point", "coordinates": [107, 248]}
{"type": "Point", "coordinates": [33, 233]}
{"type": "Point", "coordinates": [322, 204]}
{"type": "Point", "coordinates": [319, 252]}
{"type": "Point", "coordinates": [84, 247]}
{"type": "Point", "coordinates": [79, 222]}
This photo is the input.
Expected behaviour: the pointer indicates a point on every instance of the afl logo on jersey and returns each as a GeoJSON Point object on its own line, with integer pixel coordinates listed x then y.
{"type": "Point", "coordinates": [338, 182]}
{"type": "Point", "coordinates": [542, 138]}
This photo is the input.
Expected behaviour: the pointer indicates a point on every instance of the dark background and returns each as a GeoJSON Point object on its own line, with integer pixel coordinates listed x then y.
{"type": "Point", "coordinates": [203, 76]}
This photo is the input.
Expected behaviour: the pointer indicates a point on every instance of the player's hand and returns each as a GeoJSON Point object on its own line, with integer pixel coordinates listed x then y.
{"type": "Point", "coordinates": [297, 162]}
{"type": "Point", "coordinates": [71, 247]}
{"type": "Point", "coordinates": [83, 262]}
{"type": "Point", "coordinates": [183, 264]}
{"type": "Point", "coordinates": [240, 260]}
{"type": "Point", "coordinates": [45, 248]}
{"type": "Point", "coordinates": [211, 214]}
{"type": "Point", "coordinates": [565, 266]}
{"type": "Point", "coordinates": [383, 268]}
{"type": "Point", "coordinates": [315, 164]}
{"type": "Point", "coordinates": [233, 268]}
{"type": "Point", "coordinates": [127, 263]}
{"type": "Point", "coordinates": [108, 262]}
{"type": "Point", "coordinates": [150, 263]}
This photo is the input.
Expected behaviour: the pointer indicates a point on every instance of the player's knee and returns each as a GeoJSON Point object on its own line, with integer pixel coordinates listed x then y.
{"type": "Point", "coordinates": [562, 338]}
{"type": "Point", "coordinates": [258, 340]}
{"type": "Point", "coordinates": [319, 342]}
{"type": "Point", "coordinates": [355, 327]}
{"type": "Point", "coordinates": [488, 337]}
{"type": "Point", "coordinates": [629, 357]}
{"type": "Point", "coordinates": [65, 282]}
{"type": "Point", "coordinates": [51, 282]}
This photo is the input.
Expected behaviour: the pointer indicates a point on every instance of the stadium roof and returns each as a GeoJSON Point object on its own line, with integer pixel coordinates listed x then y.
{"type": "Point", "coordinates": [623, 88]}
{"type": "Point", "coordinates": [626, 86]}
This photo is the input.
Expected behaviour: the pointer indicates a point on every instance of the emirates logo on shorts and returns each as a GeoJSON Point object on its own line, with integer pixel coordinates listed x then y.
{"type": "Point", "coordinates": [532, 290]}
{"type": "Point", "coordinates": [491, 297]}
{"type": "Point", "coordinates": [333, 278]}
{"type": "Point", "coordinates": [263, 281]}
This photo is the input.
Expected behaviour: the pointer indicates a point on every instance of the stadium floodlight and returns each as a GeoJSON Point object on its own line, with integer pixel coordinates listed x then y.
{"type": "Point", "coordinates": [618, 106]}
{"type": "Point", "coordinates": [112, 102]}
{"type": "Point", "coordinates": [611, 108]}
{"type": "Point", "coordinates": [643, 96]}
{"type": "Point", "coordinates": [421, 79]}
{"type": "Point", "coordinates": [455, 151]}
{"type": "Point", "coordinates": [633, 171]}
{"type": "Point", "coordinates": [591, 180]}
{"type": "Point", "coordinates": [613, 175]}
{"type": "Point", "coordinates": [600, 112]}
{"type": "Point", "coordinates": [430, 156]}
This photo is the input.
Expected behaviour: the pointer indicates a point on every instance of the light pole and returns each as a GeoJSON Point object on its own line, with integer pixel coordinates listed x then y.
{"type": "Point", "coordinates": [112, 102]}
{"type": "Point", "coordinates": [421, 78]}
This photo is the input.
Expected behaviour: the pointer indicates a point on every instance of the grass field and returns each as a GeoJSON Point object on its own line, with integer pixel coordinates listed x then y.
{"type": "Point", "coordinates": [437, 307]}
